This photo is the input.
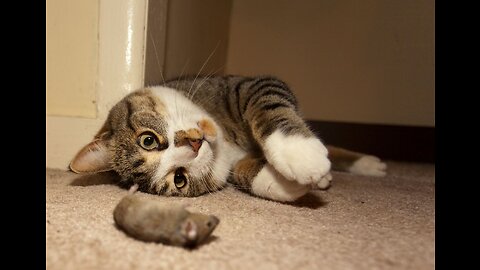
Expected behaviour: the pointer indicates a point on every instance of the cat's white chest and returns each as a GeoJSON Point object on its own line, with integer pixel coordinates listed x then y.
{"type": "Point", "coordinates": [228, 155]}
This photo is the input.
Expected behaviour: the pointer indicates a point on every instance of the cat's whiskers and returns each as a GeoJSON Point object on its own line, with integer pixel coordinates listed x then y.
{"type": "Point", "coordinates": [182, 114]}
{"type": "Point", "coordinates": [176, 85]}
{"type": "Point", "coordinates": [205, 184]}
{"type": "Point", "coordinates": [208, 100]}
{"type": "Point", "coordinates": [181, 73]}
{"type": "Point", "coordinates": [204, 64]}
{"type": "Point", "coordinates": [214, 186]}
{"type": "Point", "coordinates": [204, 80]}
{"type": "Point", "coordinates": [156, 57]}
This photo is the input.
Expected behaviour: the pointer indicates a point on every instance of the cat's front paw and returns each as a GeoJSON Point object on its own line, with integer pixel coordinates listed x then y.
{"type": "Point", "coordinates": [298, 158]}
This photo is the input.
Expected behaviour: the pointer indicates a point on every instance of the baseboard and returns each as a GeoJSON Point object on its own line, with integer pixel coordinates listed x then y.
{"type": "Point", "coordinates": [390, 142]}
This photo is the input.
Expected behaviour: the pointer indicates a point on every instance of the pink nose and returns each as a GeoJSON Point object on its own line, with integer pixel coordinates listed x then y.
{"type": "Point", "coordinates": [196, 144]}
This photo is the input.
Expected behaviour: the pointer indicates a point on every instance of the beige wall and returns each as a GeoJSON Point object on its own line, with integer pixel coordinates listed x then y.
{"type": "Point", "coordinates": [72, 49]}
{"type": "Point", "coordinates": [368, 61]}
{"type": "Point", "coordinates": [155, 41]}
{"type": "Point", "coordinates": [116, 70]}
{"type": "Point", "coordinates": [195, 30]}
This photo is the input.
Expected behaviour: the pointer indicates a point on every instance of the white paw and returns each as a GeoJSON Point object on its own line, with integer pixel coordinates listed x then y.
{"type": "Point", "coordinates": [369, 165]}
{"type": "Point", "coordinates": [272, 185]}
{"type": "Point", "coordinates": [297, 158]}
{"type": "Point", "coordinates": [324, 183]}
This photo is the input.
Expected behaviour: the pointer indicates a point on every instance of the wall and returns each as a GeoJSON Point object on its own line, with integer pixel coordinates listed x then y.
{"type": "Point", "coordinates": [197, 35]}
{"type": "Point", "coordinates": [117, 69]}
{"type": "Point", "coordinates": [72, 57]}
{"type": "Point", "coordinates": [370, 61]}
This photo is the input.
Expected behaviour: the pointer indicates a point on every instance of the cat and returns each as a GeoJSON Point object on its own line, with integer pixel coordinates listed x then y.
{"type": "Point", "coordinates": [190, 136]}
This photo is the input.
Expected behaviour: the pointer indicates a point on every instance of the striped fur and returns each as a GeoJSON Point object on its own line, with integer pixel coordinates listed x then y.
{"type": "Point", "coordinates": [247, 107]}
{"type": "Point", "coordinates": [248, 125]}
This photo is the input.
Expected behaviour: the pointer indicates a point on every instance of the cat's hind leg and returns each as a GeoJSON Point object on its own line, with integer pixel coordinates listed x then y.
{"type": "Point", "coordinates": [257, 176]}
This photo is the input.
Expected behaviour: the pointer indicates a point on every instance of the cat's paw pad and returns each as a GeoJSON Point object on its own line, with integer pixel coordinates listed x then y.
{"type": "Point", "coordinates": [298, 158]}
{"type": "Point", "coordinates": [369, 165]}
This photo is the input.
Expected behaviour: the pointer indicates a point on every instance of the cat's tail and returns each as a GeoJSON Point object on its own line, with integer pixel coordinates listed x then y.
{"type": "Point", "coordinates": [355, 162]}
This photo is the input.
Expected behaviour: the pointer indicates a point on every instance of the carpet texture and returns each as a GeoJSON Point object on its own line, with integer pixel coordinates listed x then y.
{"type": "Point", "coordinates": [359, 223]}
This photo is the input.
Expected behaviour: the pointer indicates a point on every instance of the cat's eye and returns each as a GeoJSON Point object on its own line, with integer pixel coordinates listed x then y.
{"type": "Point", "coordinates": [148, 141]}
{"type": "Point", "coordinates": [180, 179]}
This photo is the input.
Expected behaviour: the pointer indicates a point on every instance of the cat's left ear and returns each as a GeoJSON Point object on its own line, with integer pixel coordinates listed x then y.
{"type": "Point", "coordinates": [93, 157]}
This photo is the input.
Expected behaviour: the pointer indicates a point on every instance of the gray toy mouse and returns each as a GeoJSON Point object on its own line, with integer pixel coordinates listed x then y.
{"type": "Point", "coordinates": [154, 221]}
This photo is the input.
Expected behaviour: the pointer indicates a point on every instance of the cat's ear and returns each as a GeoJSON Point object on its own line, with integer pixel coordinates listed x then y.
{"type": "Point", "coordinates": [93, 157]}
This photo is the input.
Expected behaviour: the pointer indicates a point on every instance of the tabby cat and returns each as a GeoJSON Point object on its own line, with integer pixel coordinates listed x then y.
{"type": "Point", "coordinates": [190, 136]}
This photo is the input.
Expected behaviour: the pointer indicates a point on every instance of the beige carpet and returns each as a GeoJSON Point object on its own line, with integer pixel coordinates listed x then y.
{"type": "Point", "coordinates": [360, 223]}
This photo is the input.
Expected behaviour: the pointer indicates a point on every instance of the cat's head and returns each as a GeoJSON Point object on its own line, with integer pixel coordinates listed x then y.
{"type": "Point", "coordinates": [158, 139]}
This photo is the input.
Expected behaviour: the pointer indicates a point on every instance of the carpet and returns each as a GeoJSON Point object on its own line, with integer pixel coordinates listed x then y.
{"type": "Point", "coordinates": [359, 223]}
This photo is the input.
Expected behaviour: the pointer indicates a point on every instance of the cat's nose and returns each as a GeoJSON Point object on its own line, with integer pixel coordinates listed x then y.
{"type": "Point", "coordinates": [195, 144]}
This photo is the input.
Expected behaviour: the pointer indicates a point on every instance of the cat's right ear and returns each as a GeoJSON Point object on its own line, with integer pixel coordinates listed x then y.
{"type": "Point", "coordinates": [93, 157]}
